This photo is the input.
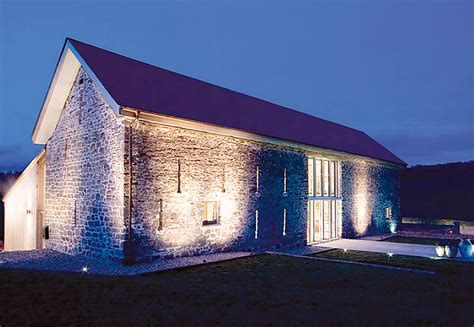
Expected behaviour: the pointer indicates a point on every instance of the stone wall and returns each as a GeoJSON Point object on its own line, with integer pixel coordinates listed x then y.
{"type": "Point", "coordinates": [85, 176]}
{"type": "Point", "coordinates": [175, 170]}
{"type": "Point", "coordinates": [367, 189]}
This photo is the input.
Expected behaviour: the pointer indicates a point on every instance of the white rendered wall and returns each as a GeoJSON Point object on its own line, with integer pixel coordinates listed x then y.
{"type": "Point", "coordinates": [20, 212]}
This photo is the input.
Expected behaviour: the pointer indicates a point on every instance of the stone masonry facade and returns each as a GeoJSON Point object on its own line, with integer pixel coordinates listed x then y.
{"type": "Point", "coordinates": [367, 189]}
{"type": "Point", "coordinates": [175, 171]}
{"type": "Point", "coordinates": [85, 176]}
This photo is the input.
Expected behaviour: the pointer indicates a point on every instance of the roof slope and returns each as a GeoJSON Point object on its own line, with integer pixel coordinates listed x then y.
{"type": "Point", "coordinates": [152, 89]}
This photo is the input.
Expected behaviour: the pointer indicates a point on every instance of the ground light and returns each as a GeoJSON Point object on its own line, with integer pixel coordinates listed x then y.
{"type": "Point", "coordinates": [390, 255]}
{"type": "Point", "coordinates": [85, 269]}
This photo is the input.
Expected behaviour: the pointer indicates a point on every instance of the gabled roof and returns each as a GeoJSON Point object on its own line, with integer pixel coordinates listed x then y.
{"type": "Point", "coordinates": [130, 83]}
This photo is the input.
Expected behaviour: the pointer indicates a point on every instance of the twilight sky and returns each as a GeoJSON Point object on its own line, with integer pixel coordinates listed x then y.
{"type": "Point", "coordinates": [401, 70]}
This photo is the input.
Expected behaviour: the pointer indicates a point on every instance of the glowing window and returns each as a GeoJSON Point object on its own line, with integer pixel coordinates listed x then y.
{"type": "Point", "coordinates": [318, 178]}
{"type": "Point", "coordinates": [256, 224]}
{"type": "Point", "coordinates": [257, 179]}
{"type": "Point", "coordinates": [332, 178]}
{"type": "Point", "coordinates": [284, 221]}
{"type": "Point", "coordinates": [210, 213]}
{"type": "Point", "coordinates": [326, 178]}
{"type": "Point", "coordinates": [323, 178]}
{"type": "Point", "coordinates": [388, 213]}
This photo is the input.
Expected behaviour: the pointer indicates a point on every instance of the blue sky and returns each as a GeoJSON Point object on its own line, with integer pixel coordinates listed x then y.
{"type": "Point", "coordinates": [402, 71]}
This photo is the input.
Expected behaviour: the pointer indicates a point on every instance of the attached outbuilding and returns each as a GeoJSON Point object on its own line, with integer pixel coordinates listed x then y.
{"type": "Point", "coordinates": [24, 208]}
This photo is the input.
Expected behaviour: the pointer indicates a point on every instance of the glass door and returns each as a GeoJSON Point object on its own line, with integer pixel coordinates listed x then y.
{"type": "Point", "coordinates": [322, 220]}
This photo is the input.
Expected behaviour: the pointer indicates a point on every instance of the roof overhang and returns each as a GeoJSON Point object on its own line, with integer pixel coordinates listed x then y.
{"type": "Point", "coordinates": [133, 114]}
{"type": "Point", "coordinates": [69, 63]}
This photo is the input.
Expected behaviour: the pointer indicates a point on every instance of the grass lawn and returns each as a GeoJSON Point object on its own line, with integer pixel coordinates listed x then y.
{"type": "Point", "coordinates": [412, 240]}
{"type": "Point", "coordinates": [442, 266]}
{"type": "Point", "coordinates": [260, 290]}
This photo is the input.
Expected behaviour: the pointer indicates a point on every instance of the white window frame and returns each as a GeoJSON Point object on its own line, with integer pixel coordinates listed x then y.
{"type": "Point", "coordinates": [337, 193]}
{"type": "Point", "coordinates": [337, 181]}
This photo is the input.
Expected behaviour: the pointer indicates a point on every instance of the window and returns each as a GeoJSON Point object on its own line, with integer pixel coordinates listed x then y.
{"type": "Point", "coordinates": [388, 213]}
{"type": "Point", "coordinates": [324, 200]}
{"type": "Point", "coordinates": [210, 213]}
{"type": "Point", "coordinates": [284, 221]}
{"type": "Point", "coordinates": [332, 178]}
{"type": "Point", "coordinates": [257, 179]}
{"type": "Point", "coordinates": [256, 224]}
{"type": "Point", "coordinates": [323, 178]}
{"type": "Point", "coordinates": [179, 176]}
{"type": "Point", "coordinates": [326, 178]}
{"type": "Point", "coordinates": [318, 177]}
{"type": "Point", "coordinates": [284, 181]}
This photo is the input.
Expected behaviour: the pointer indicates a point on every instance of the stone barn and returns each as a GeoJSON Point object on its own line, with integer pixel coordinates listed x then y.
{"type": "Point", "coordinates": [142, 163]}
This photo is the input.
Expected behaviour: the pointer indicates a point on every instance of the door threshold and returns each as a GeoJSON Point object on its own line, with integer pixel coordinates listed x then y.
{"type": "Point", "coordinates": [323, 241]}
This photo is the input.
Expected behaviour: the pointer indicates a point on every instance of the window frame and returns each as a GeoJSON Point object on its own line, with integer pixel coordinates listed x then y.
{"type": "Point", "coordinates": [204, 219]}
{"type": "Point", "coordinates": [319, 194]}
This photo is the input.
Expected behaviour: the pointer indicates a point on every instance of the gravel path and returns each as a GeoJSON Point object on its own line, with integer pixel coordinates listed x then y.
{"type": "Point", "coordinates": [51, 260]}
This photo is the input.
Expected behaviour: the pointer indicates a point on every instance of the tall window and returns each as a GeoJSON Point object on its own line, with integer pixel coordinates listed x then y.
{"type": "Point", "coordinates": [256, 224]}
{"type": "Point", "coordinates": [318, 178]}
{"type": "Point", "coordinates": [332, 178]}
{"type": "Point", "coordinates": [326, 178]}
{"type": "Point", "coordinates": [323, 178]}
{"type": "Point", "coordinates": [310, 177]}
{"type": "Point", "coordinates": [324, 199]}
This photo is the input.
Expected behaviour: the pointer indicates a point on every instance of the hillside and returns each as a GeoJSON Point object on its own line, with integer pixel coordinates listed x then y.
{"type": "Point", "coordinates": [439, 191]}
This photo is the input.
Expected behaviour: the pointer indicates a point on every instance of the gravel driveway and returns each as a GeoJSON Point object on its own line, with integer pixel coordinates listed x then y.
{"type": "Point", "coordinates": [46, 259]}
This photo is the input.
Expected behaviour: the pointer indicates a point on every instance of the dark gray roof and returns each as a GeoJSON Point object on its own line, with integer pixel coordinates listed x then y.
{"type": "Point", "coordinates": [138, 85]}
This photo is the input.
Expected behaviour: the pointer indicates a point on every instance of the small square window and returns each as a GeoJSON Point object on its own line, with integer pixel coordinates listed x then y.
{"type": "Point", "coordinates": [210, 215]}
{"type": "Point", "coordinates": [388, 213]}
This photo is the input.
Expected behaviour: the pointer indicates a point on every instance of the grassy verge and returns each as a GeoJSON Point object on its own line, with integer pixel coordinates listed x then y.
{"type": "Point", "coordinates": [260, 290]}
{"type": "Point", "coordinates": [443, 266]}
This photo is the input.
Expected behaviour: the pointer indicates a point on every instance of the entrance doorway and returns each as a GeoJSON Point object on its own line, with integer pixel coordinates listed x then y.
{"type": "Point", "coordinates": [322, 220]}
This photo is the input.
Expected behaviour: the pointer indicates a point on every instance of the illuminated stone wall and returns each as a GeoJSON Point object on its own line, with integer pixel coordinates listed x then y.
{"type": "Point", "coordinates": [367, 188]}
{"type": "Point", "coordinates": [87, 188]}
{"type": "Point", "coordinates": [85, 176]}
{"type": "Point", "coordinates": [219, 168]}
